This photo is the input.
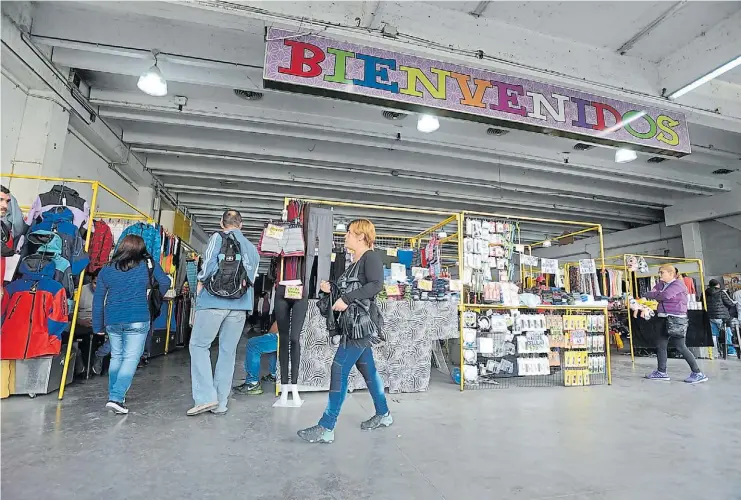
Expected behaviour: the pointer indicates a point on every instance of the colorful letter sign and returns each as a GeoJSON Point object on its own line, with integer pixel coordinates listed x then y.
{"type": "Point", "coordinates": [323, 66]}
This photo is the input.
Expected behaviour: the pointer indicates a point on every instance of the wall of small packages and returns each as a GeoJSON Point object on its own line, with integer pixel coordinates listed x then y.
{"type": "Point", "coordinates": [489, 272]}
{"type": "Point", "coordinates": [523, 348]}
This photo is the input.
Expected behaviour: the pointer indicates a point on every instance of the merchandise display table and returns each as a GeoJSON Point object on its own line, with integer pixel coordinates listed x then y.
{"type": "Point", "coordinates": [698, 330]}
{"type": "Point", "coordinates": [403, 360]}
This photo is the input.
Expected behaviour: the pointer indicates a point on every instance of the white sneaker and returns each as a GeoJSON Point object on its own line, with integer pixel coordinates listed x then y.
{"type": "Point", "coordinates": [117, 408]}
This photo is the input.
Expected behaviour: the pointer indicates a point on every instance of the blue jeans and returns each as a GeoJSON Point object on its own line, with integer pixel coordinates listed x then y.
{"type": "Point", "coordinates": [214, 387]}
{"type": "Point", "coordinates": [717, 326]}
{"type": "Point", "coordinates": [127, 344]}
{"type": "Point", "coordinates": [344, 359]}
{"type": "Point", "coordinates": [256, 347]}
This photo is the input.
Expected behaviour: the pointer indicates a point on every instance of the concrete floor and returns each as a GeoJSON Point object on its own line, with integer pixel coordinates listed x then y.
{"type": "Point", "coordinates": [635, 440]}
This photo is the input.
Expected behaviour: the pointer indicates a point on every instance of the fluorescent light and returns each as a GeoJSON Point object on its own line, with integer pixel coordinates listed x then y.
{"type": "Point", "coordinates": [152, 82]}
{"type": "Point", "coordinates": [623, 155]}
{"type": "Point", "coordinates": [427, 123]}
{"type": "Point", "coordinates": [704, 79]}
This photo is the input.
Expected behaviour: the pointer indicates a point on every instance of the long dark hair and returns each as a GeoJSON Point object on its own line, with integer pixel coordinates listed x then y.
{"type": "Point", "coordinates": [130, 252]}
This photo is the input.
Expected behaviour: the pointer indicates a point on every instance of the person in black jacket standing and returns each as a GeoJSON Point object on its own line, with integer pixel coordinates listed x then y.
{"type": "Point", "coordinates": [367, 266]}
{"type": "Point", "coordinates": [719, 303]}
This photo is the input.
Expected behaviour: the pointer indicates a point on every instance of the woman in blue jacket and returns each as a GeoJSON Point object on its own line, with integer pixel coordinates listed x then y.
{"type": "Point", "coordinates": [121, 309]}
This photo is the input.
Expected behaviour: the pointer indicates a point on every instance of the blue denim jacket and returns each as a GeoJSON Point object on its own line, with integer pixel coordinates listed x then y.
{"type": "Point", "coordinates": [251, 261]}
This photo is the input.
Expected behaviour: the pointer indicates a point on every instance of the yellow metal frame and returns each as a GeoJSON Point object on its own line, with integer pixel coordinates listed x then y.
{"type": "Point", "coordinates": [96, 187]}
{"type": "Point", "coordinates": [463, 306]}
{"type": "Point", "coordinates": [632, 281]}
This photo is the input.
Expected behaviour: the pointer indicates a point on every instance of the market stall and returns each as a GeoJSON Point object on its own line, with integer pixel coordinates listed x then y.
{"type": "Point", "coordinates": [519, 325]}
{"type": "Point", "coordinates": [66, 238]}
{"type": "Point", "coordinates": [640, 274]}
{"type": "Point", "coordinates": [418, 303]}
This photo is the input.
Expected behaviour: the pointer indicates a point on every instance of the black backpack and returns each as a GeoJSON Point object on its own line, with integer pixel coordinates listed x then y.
{"type": "Point", "coordinates": [230, 281]}
{"type": "Point", "coordinates": [155, 297]}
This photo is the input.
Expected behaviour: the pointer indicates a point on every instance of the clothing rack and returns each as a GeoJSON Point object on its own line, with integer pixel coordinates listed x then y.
{"type": "Point", "coordinates": [632, 280]}
{"type": "Point", "coordinates": [97, 188]}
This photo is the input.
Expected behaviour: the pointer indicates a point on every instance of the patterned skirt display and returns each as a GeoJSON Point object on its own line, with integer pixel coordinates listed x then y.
{"type": "Point", "coordinates": [403, 360]}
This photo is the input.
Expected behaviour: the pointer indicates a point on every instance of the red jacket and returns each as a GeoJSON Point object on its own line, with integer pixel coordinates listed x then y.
{"type": "Point", "coordinates": [34, 315]}
{"type": "Point", "coordinates": [101, 244]}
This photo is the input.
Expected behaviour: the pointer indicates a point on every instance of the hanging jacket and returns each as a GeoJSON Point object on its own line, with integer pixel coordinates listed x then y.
{"type": "Point", "coordinates": [58, 221]}
{"type": "Point", "coordinates": [719, 303]}
{"type": "Point", "coordinates": [14, 218]}
{"type": "Point", "coordinates": [101, 244]}
{"type": "Point", "coordinates": [62, 271]}
{"type": "Point", "coordinates": [60, 196]}
{"type": "Point", "coordinates": [34, 314]}
{"type": "Point", "coordinates": [149, 233]}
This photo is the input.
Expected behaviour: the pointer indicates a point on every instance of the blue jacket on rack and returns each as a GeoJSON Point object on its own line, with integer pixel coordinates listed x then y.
{"type": "Point", "coordinates": [149, 233]}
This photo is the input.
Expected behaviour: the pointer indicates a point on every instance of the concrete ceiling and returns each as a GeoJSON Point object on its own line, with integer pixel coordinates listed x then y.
{"type": "Point", "coordinates": [220, 150]}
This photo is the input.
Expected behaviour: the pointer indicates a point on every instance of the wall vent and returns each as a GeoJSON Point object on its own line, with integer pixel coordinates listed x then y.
{"type": "Point", "coordinates": [393, 115]}
{"type": "Point", "coordinates": [248, 95]}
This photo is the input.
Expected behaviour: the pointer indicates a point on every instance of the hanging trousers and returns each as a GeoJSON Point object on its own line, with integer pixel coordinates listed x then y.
{"type": "Point", "coordinates": [290, 315]}
{"type": "Point", "coordinates": [319, 227]}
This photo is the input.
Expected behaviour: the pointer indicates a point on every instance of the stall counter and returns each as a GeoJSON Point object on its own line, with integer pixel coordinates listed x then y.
{"type": "Point", "coordinates": [403, 360]}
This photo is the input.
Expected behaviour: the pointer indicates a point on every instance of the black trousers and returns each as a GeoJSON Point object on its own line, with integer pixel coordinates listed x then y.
{"type": "Point", "coordinates": [290, 315]}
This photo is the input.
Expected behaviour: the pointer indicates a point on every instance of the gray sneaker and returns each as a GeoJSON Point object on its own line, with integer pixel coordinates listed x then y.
{"type": "Point", "coordinates": [377, 421]}
{"type": "Point", "coordinates": [316, 434]}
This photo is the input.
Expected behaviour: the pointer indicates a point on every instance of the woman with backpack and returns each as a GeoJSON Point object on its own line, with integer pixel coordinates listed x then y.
{"type": "Point", "coordinates": [356, 292]}
{"type": "Point", "coordinates": [121, 308]}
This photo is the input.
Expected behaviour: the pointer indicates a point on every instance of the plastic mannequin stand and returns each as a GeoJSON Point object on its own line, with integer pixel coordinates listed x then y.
{"type": "Point", "coordinates": [284, 402]}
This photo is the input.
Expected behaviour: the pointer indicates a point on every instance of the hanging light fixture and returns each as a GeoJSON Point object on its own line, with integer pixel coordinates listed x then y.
{"type": "Point", "coordinates": [427, 123]}
{"type": "Point", "coordinates": [151, 82]}
{"type": "Point", "coordinates": [547, 243]}
{"type": "Point", "coordinates": [623, 155]}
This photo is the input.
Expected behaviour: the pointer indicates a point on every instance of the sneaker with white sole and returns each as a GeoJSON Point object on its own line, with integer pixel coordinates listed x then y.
{"type": "Point", "coordinates": [316, 434]}
{"type": "Point", "coordinates": [696, 378]}
{"type": "Point", "coordinates": [117, 408]}
{"type": "Point", "coordinates": [657, 375]}
{"type": "Point", "coordinates": [377, 421]}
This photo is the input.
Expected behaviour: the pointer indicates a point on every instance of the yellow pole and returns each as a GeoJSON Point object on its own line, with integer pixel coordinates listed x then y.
{"type": "Point", "coordinates": [607, 347]}
{"type": "Point", "coordinates": [602, 257]}
{"type": "Point", "coordinates": [72, 329]}
{"type": "Point", "coordinates": [631, 293]}
{"type": "Point", "coordinates": [461, 304]}
{"type": "Point", "coordinates": [169, 319]}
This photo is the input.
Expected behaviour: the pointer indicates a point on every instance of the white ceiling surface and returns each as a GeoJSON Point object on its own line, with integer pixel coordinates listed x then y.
{"type": "Point", "coordinates": [220, 150]}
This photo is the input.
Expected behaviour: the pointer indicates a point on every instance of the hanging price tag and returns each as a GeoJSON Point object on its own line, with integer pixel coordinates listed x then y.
{"type": "Point", "coordinates": [586, 266]}
{"type": "Point", "coordinates": [334, 257]}
{"type": "Point", "coordinates": [549, 266]}
{"type": "Point", "coordinates": [528, 260]}
{"type": "Point", "coordinates": [425, 285]}
{"type": "Point", "coordinates": [393, 290]}
{"type": "Point", "coordinates": [392, 252]}
{"type": "Point", "coordinates": [294, 292]}
{"type": "Point", "coordinates": [275, 232]}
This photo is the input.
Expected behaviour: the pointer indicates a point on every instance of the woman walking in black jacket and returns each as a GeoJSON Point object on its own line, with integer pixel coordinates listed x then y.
{"type": "Point", "coordinates": [367, 268]}
{"type": "Point", "coordinates": [719, 303]}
